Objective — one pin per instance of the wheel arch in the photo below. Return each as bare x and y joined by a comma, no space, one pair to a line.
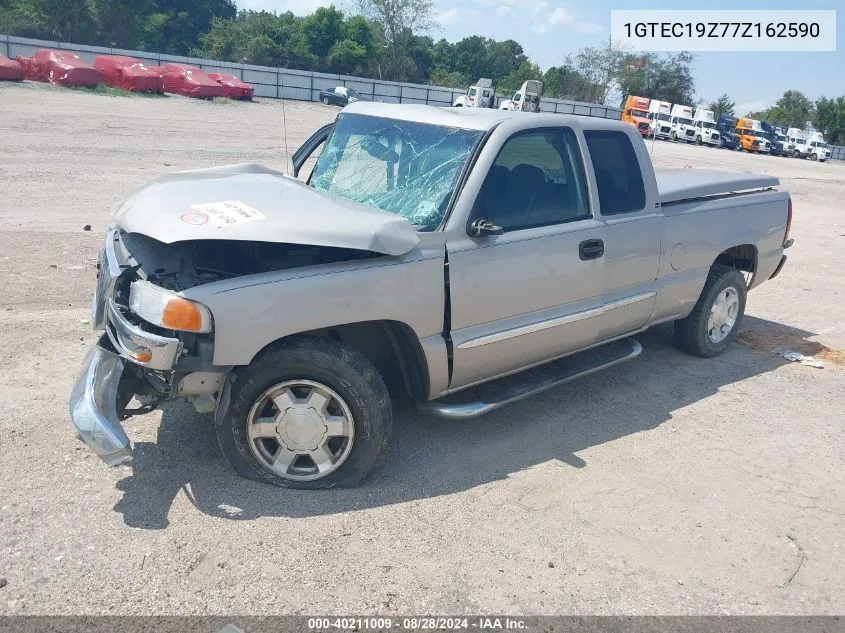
742,257
391,346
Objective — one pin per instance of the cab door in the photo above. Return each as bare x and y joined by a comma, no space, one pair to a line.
305,156
633,231
525,273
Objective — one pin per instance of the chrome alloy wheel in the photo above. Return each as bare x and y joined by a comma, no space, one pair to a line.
723,314
301,430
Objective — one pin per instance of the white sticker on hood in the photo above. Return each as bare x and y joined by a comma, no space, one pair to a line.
222,214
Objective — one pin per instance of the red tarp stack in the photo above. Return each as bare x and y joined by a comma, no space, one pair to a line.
62,68
189,81
129,74
28,67
10,69
233,88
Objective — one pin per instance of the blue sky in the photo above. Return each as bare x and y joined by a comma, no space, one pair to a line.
549,29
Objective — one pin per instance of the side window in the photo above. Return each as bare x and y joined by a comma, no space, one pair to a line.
536,180
618,175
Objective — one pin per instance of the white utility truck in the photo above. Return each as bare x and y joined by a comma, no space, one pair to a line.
800,149
705,127
481,95
683,128
661,119
526,99
817,148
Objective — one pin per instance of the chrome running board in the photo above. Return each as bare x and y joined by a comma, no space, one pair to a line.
487,397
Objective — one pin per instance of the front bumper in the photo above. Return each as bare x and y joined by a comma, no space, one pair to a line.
93,407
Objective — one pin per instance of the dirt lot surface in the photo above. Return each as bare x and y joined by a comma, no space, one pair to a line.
670,484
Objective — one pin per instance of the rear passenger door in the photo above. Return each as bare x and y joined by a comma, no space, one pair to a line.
533,292
633,232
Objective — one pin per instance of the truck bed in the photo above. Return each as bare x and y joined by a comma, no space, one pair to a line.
678,185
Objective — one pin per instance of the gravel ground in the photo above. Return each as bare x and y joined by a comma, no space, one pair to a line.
667,485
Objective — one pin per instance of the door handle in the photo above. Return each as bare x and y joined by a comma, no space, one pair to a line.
590,249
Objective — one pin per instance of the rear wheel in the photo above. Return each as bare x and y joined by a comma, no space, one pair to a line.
714,321
311,413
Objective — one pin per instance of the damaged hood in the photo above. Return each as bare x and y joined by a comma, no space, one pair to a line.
252,203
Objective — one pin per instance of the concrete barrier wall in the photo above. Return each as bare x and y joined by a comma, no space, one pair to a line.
301,85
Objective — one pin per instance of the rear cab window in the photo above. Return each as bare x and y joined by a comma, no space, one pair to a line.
619,178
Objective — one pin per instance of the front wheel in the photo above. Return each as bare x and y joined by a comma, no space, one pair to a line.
674,136
326,100
714,321
698,140
311,413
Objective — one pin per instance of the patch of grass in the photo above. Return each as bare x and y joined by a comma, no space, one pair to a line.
111,91
221,101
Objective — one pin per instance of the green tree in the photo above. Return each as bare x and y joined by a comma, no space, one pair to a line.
514,79
793,109
830,119
448,79
398,20
65,20
566,82
668,78
601,67
347,57
322,30
722,106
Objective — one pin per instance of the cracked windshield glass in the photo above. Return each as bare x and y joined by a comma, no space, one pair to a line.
405,168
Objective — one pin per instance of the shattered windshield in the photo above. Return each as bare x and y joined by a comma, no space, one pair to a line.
402,167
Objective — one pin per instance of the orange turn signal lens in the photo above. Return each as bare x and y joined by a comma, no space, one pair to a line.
181,314
144,356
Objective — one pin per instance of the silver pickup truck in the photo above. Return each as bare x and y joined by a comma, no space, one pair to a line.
461,258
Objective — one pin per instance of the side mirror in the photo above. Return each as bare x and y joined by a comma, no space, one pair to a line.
483,227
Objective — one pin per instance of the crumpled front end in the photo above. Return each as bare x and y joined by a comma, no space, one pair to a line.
93,406
133,358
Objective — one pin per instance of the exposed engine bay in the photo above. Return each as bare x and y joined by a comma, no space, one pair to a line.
183,265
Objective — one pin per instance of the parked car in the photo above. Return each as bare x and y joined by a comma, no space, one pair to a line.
341,95
417,262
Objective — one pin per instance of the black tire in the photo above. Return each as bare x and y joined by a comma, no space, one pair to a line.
698,140
323,360
326,100
674,136
691,333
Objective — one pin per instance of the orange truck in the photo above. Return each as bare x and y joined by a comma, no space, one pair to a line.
748,136
635,112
